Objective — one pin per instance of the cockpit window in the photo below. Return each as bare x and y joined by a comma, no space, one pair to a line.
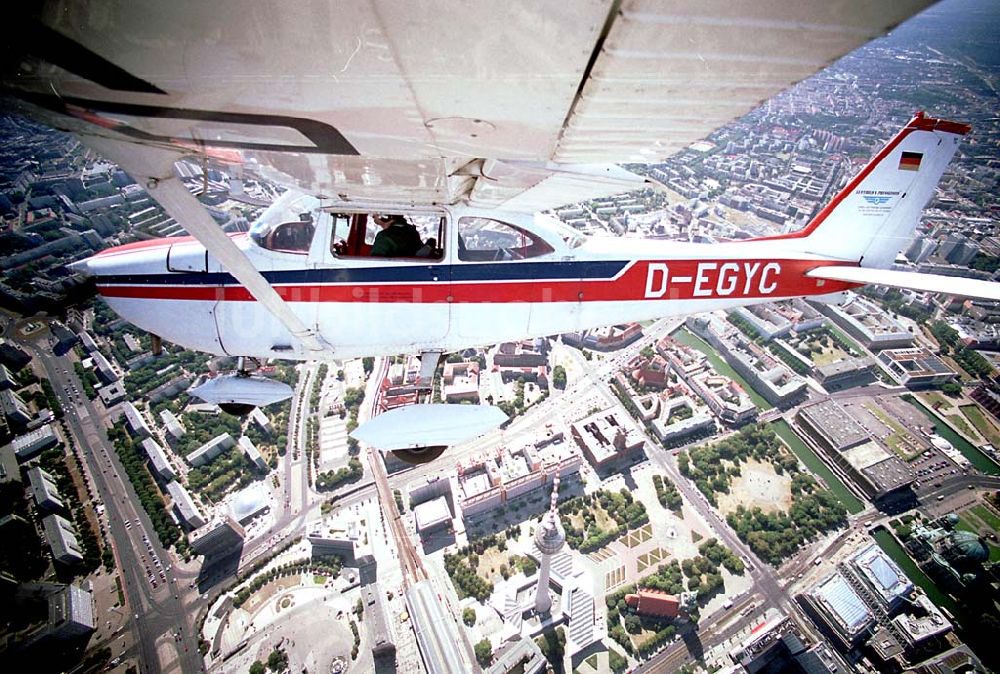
288,237
288,224
482,239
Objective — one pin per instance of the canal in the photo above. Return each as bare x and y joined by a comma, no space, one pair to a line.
816,465
975,457
688,338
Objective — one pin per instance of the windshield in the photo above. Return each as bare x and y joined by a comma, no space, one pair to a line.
291,207
570,236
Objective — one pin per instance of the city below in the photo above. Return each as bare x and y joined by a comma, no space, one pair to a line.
798,486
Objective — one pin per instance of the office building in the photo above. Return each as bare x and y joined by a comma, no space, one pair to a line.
218,538
873,468
252,453
211,449
28,446
136,423
44,490
187,510
61,537
158,459
836,605
916,368
608,438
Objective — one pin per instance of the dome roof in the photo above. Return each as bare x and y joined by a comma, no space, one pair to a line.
952,518
248,502
966,546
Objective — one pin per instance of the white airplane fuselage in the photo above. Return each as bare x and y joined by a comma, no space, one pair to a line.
381,306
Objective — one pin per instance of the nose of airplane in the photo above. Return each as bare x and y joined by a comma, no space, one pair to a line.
81,267
130,260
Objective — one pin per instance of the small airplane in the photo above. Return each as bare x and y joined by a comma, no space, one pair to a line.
386,134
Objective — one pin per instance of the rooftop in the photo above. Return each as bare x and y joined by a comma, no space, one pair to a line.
836,426
843,604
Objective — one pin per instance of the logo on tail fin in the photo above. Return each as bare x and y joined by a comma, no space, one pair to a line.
876,201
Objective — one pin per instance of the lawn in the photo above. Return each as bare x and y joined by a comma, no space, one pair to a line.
966,523
651,558
641,535
936,400
987,516
828,355
958,422
614,578
985,427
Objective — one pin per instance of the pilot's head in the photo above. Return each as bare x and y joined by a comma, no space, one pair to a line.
389,220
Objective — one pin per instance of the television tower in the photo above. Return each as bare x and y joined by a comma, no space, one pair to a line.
550,539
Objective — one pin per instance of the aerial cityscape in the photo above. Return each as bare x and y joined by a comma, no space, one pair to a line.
798,486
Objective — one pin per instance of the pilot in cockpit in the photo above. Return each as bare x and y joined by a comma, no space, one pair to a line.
398,238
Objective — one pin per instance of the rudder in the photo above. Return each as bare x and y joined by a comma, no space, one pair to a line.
875,215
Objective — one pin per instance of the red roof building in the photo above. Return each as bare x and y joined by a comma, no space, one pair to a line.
654,603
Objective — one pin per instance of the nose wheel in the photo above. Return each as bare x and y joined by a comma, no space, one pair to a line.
419,455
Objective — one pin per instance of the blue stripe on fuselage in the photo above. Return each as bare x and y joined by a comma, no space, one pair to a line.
417,273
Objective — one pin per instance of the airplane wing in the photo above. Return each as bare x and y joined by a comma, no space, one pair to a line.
935,283
506,104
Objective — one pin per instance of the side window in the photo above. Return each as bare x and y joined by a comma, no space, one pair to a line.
483,239
410,235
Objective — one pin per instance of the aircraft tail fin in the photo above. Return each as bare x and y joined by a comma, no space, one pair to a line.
874,216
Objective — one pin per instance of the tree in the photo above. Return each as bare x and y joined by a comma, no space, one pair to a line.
484,653
277,660
616,662
951,388
257,667
469,616
559,376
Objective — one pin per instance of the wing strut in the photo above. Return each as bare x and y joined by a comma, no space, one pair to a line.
154,168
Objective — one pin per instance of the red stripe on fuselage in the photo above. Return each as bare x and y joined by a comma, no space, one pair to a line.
642,280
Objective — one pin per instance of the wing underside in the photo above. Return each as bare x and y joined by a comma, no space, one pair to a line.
429,101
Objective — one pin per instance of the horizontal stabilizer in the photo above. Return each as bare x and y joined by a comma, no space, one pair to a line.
934,283
428,426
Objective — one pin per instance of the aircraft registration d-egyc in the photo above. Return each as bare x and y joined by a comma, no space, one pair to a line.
464,122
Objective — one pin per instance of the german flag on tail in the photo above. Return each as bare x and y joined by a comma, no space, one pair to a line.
910,161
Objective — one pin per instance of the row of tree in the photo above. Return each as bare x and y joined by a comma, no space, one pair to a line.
145,488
